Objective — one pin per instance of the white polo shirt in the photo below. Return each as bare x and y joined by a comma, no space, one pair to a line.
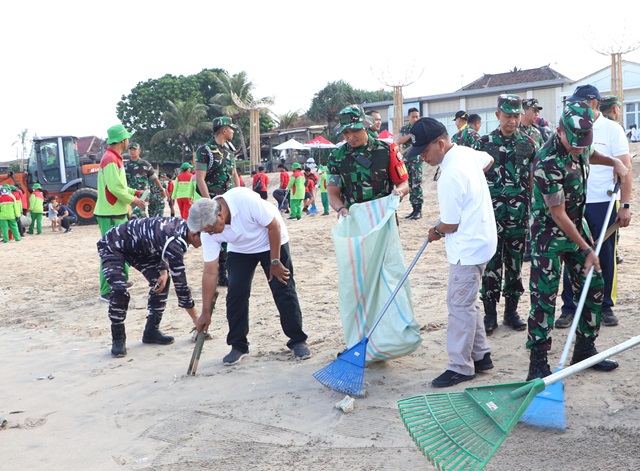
609,139
247,232
463,195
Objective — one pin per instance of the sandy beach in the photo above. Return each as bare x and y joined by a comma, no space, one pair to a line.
69,405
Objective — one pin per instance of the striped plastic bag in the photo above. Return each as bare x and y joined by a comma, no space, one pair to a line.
370,265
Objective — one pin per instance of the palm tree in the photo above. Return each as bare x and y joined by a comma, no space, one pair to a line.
183,119
223,101
288,120
22,139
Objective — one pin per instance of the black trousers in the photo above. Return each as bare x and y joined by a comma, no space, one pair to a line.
68,220
240,270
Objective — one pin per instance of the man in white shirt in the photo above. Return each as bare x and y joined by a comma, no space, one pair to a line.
609,139
255,233
467,223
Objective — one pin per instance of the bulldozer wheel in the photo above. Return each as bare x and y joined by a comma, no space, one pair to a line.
83,203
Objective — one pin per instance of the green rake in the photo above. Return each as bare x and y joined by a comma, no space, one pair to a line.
461,431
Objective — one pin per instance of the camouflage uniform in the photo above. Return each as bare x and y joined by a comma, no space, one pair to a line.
534,133
558,172
363,173
139,177
414,169
510,190
467,137
156,201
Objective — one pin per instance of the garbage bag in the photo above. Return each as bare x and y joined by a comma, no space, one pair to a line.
370,266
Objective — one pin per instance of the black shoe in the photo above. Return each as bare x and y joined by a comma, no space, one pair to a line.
223,281
490,317
119,339
417,212
412,213
511,316
538,364
233,357
450,378
105,297
564,321
619,259
301,351
609,318
485,364
128,284
341,352
585,348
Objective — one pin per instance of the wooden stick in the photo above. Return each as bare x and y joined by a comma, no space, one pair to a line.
610,230
197,350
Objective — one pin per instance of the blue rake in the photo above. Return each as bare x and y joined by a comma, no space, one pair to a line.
346,373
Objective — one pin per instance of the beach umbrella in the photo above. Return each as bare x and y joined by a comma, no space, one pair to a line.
386,136
320,142
291,144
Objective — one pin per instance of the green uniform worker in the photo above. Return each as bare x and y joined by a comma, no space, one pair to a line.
9,212
509,182
324,197
560,233
36,208
296,189
114,197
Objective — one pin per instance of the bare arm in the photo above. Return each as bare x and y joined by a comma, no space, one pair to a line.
401,140
209,282
236,178
202,185
280,272
335,200
624,214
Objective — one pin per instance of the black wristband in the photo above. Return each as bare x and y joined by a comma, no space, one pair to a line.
586,251
340,209
437,231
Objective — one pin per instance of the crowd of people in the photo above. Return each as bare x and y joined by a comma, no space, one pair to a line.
499,193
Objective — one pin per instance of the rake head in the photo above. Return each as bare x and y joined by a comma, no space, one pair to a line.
461,431
346,373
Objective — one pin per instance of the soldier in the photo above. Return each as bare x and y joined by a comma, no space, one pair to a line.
363,169
461,119
559,233
216,173
510,188
156,200
469,134
414,166
376,119
156,248
531,111
609,139
140,175
611,107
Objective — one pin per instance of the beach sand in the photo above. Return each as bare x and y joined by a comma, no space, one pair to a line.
69,405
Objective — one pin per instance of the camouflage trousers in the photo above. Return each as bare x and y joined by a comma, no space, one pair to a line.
156,205
414,169
113,270
508,258
137,213
546,273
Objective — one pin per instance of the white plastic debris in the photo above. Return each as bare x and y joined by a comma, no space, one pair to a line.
347,404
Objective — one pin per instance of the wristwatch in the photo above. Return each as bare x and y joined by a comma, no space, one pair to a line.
438,232
275,261
625,206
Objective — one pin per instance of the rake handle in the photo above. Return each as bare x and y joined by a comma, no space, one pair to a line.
587,282
583,365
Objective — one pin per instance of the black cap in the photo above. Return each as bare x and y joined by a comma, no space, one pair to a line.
585,92
424,132
462,114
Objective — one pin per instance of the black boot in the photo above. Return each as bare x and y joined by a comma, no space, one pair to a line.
538,364
152,332
410,215
511,316
417,211
585,348
119,341
490,316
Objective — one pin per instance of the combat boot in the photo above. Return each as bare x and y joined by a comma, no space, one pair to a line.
417,211
119,341
538,364
412,213
490,316
152,333
585,348
511,316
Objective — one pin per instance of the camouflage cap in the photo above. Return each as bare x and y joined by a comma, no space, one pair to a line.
531,103
353,117
609,100
221,121
134,145
577,119
510,104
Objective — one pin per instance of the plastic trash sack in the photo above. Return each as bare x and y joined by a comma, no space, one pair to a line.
370,265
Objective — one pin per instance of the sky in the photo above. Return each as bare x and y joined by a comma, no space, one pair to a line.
66,64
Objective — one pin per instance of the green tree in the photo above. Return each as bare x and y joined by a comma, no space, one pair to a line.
23,140
142,111
288,120
183,119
